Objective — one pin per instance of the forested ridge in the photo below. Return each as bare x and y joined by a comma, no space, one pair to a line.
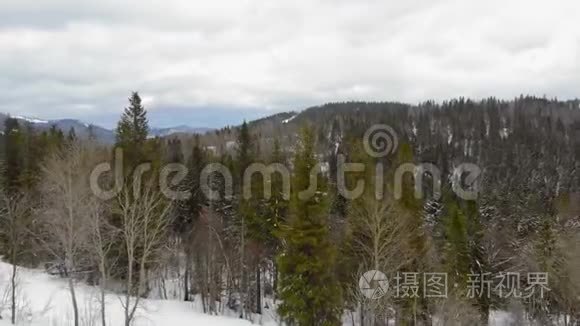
303,258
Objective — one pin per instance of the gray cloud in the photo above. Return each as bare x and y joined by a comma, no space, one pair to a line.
66,58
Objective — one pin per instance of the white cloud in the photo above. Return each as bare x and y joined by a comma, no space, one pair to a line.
65,58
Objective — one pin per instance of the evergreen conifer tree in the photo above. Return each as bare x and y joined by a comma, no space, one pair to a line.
132,130
308,287
12,170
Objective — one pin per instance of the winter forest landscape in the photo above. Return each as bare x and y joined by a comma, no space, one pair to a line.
296,163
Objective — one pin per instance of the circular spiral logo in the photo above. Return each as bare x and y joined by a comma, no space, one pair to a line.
374,284
380,141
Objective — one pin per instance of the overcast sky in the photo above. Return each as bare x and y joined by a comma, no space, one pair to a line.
210,63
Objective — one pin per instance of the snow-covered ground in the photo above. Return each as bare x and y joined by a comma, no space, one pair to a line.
44,300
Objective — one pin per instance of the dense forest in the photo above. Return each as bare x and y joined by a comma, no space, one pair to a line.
303,258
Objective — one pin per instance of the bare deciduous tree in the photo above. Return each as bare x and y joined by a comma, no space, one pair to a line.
102,239
65,218
379,238
144,226
14,228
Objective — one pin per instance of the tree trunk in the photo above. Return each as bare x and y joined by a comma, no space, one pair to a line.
13,281
242,278
258,291
103,309
187,274
275,281
129,285
485,316
74,300
213,280
362,314
103,286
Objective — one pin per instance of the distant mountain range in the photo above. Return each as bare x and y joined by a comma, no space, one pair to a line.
102,134
183,129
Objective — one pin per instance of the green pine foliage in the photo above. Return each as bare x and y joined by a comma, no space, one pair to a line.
308,286
417,243
456,250
308,254
190,209
13,161
132,130
276,208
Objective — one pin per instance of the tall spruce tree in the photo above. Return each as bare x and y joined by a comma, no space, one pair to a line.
456,250
245,154
55,138
276,210
479,261
132,130
13,162
308,286
414,309
72,136
32,154
131,137
190,209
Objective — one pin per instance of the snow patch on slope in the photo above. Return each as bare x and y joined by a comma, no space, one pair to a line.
44,300
289,119
31,120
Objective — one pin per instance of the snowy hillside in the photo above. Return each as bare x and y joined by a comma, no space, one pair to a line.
44,301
